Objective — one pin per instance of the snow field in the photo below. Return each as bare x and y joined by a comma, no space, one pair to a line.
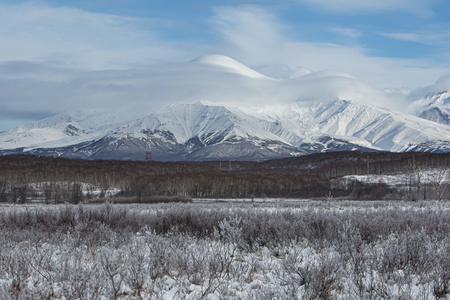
427,176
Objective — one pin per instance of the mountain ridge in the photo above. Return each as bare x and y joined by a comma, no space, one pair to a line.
202,132
262,118
434,107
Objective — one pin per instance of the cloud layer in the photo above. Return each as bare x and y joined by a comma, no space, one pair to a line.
58,58
263,40
76,38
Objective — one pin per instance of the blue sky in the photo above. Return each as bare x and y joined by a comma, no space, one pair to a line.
46,44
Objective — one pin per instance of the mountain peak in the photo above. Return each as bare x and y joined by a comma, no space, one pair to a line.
227,62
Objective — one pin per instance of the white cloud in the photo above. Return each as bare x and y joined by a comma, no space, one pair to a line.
73,38
283,71
77,38
255,37
162,84
442,84
239,24
349,32
437,35
417,7
64,58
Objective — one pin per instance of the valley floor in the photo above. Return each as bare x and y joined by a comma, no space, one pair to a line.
278,249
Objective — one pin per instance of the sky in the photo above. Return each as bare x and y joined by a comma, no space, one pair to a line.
94,54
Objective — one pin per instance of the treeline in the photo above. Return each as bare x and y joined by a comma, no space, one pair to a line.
337,164
59,179
19,169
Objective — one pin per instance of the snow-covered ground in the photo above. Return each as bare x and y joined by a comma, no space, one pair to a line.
426,176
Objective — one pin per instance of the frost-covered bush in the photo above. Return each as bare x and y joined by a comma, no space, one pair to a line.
303,250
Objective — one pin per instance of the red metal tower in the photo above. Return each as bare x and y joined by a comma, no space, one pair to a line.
148,148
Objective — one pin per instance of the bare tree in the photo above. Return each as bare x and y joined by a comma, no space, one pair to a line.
440,180
414,171
76,193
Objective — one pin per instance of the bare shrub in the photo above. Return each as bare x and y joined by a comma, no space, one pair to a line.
15,265
441,274
440,181
316,250
112,266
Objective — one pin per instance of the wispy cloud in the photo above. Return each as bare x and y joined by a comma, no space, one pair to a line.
247,25
417,7
256,37
348,32
437,35
77,38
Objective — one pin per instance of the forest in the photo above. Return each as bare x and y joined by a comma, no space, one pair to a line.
58,180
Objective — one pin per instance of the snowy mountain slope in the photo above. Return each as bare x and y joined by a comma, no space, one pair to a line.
434,107
199,131
208,132
63,129
359,124
209,124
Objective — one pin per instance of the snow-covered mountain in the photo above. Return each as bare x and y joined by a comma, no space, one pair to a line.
434,107
203,131
296,122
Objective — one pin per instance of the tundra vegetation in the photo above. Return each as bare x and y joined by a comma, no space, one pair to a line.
283,250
